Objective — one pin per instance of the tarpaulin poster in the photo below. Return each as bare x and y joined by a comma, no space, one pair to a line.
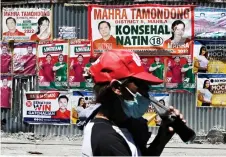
179,73
210,22
6,58
151,115
67,32
80,62
81,100
6,91
47,107
147,29
211,90
26,23
156,66
52,64
24,58
210,56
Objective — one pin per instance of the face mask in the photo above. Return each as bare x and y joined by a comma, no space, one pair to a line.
137,107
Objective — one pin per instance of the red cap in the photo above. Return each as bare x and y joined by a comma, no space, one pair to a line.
121,64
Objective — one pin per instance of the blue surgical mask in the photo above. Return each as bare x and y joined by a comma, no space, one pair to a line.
137,107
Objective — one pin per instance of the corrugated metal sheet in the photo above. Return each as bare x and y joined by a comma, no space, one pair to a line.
200,119
14,116
57,130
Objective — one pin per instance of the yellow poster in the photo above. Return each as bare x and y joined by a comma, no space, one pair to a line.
211,90
151,116
209,56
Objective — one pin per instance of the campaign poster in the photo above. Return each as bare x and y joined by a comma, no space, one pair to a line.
211,90
80,100
210,56
24,58
151,115
79,64
6,59
53,64
155,66
147,29
26,24
6,91
179,73
210,22
66,32
47,107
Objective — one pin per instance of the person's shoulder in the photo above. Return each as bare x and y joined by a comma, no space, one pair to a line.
167,41
34,37
5,33
21,33
103,126
187,40
98,40
112,38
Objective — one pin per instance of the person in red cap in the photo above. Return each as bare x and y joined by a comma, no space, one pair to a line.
121,89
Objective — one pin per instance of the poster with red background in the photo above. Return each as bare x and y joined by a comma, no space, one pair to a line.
6,58
52,63
6,91
24,58
79,63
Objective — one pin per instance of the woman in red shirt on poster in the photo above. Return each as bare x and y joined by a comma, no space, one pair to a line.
177,42
43,30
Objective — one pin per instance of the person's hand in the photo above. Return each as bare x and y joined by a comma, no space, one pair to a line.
178,114
169,64
61,66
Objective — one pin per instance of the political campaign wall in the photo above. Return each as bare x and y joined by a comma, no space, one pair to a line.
47,107
26,24
24,58
211,90
79,63
53,65
151,115
6,58
210,22
159,29
210,56
80,100
6,91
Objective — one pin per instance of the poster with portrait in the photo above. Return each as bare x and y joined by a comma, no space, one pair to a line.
79,63
211,90
151,115
6,58
210,22
47,107
26,24
24,58
81,100
66,32
147,29
6,91
53,65
156,66
210,56
179,74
